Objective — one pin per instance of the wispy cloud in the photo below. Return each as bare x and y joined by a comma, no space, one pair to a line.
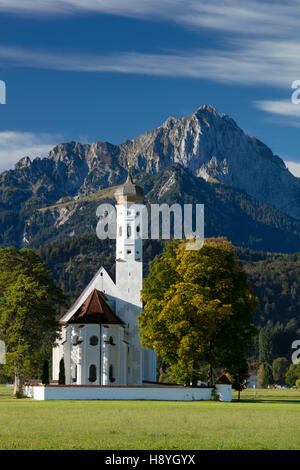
282,107
16,145
267,17
260,42
250,62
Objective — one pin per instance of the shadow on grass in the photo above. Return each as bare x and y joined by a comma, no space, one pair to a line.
265,400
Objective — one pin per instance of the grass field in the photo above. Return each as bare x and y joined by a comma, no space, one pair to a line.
269,420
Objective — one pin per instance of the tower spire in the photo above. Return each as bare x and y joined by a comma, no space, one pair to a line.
129,177
129,191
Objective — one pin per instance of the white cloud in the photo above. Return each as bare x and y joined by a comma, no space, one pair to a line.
293,167
15,145
264,44
282,107
252,62
263,49
249,16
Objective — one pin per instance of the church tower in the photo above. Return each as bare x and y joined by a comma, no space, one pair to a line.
129,277
129,243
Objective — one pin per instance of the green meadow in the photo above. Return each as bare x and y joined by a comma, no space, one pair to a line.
269,419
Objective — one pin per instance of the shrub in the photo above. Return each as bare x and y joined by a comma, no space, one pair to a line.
293,374
298,383
214,395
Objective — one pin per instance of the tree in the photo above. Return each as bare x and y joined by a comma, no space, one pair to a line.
265,346
199,308
298,383
293,374
28,310
45,375
264,375
62,374
279,367
239,378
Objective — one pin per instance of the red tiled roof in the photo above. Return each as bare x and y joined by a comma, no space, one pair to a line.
95,310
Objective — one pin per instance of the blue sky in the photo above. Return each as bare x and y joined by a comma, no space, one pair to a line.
108,70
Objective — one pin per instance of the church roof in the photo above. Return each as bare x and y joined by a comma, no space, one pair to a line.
129,190
223,380
95,309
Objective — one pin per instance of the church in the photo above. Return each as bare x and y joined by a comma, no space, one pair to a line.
99,334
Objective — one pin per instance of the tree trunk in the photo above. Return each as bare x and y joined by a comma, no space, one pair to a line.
18,388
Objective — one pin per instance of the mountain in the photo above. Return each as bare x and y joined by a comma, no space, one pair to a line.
214,147
249,194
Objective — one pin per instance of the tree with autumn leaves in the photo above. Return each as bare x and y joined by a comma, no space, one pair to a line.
28,310
198,310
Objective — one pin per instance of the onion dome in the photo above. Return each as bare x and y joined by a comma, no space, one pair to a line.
129,191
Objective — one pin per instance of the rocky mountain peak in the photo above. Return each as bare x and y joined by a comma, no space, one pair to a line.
24,162
211,146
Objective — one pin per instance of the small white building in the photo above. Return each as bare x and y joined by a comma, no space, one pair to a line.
252,379
100,339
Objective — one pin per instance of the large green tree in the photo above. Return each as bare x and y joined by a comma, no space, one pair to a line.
199,308
264,375
28,311
280,367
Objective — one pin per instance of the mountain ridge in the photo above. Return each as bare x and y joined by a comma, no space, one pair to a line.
209,146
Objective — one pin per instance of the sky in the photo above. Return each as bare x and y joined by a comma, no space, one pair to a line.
109,70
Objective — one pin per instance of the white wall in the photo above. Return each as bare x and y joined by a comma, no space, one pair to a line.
39,392
224,391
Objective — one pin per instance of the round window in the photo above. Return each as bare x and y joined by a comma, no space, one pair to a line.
94,340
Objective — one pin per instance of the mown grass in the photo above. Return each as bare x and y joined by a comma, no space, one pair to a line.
269,420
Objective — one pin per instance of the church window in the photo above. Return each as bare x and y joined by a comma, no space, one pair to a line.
137,213
75,340
138,229
74,373
120,231
94,340
128,231
129,252
111,341
92,373
111,374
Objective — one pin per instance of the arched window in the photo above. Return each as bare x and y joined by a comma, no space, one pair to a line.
92,373
128,231
74,372
111,374
75,340
94,340
138,229
111,341
120,231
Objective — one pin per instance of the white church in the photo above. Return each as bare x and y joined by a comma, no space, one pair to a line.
99,334
100,342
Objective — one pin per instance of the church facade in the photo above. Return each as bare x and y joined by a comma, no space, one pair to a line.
99,334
